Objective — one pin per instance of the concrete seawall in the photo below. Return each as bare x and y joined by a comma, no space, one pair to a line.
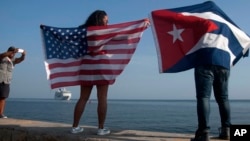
30,130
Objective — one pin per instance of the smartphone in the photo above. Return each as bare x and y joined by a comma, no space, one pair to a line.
20,50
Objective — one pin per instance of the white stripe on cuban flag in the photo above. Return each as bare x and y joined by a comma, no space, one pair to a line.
219,41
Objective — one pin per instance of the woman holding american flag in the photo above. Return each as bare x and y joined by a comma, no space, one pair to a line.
97,18
93,54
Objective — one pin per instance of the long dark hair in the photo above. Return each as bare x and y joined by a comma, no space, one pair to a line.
95,19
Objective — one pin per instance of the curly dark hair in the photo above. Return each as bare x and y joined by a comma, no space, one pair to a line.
95,19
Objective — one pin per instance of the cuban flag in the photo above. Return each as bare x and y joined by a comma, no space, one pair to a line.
195,35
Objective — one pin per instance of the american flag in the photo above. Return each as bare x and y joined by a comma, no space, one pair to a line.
195,35
89,56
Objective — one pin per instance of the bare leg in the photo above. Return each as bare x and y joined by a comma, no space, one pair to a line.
80,105
102,91
2,105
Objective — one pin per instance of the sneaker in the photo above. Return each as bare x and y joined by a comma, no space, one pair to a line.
201,135
224,133
3,116
103,131
76,130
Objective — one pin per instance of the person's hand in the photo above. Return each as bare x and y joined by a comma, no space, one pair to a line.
24,53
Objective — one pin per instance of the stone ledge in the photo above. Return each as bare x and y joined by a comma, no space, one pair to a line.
30,130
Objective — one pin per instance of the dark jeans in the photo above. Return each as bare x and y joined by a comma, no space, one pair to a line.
206,78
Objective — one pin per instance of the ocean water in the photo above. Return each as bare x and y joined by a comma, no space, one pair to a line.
174,116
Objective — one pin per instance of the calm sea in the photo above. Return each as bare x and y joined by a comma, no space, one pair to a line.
176,116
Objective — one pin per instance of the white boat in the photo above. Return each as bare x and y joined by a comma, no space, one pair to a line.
62,94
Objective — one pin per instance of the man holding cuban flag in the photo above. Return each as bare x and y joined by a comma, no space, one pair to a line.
202,37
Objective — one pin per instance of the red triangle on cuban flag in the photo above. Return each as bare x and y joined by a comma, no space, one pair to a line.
176,34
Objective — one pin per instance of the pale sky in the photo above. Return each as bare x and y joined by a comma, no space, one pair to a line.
20,21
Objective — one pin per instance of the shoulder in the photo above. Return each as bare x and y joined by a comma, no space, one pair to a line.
3,55
4,59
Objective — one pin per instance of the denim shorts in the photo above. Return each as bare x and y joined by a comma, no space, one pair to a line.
4,90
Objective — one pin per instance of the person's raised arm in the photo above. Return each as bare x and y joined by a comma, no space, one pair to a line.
5,54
